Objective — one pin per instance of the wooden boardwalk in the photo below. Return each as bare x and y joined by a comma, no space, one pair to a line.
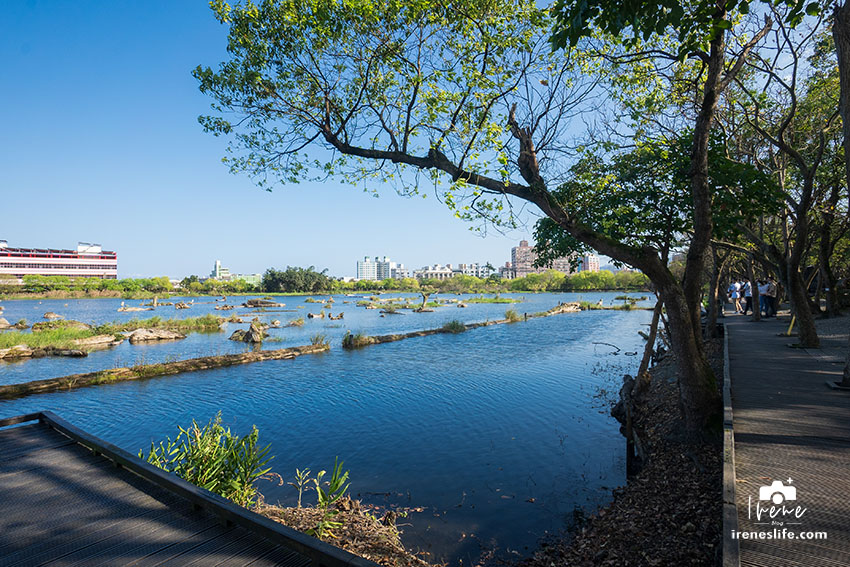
63,503
789,425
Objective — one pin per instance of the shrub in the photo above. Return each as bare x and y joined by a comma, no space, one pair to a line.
512,316
212,458
454,326
358,340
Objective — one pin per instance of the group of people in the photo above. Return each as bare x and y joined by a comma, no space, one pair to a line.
741,295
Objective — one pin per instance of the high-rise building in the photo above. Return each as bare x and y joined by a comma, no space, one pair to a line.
523,258
379,269
384,268
87,261
590,263
367,269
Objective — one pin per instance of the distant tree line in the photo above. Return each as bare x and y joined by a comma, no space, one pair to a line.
550,280
44,284
309,280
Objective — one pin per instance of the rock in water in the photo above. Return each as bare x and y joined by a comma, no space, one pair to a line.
4,324
254,334
146,335
262,303
17,351
52,315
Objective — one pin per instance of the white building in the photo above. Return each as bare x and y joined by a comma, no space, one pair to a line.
477,270
398,271
367,269
436,272
87,261
379,269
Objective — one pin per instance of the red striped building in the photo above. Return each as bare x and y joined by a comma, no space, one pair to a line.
87,261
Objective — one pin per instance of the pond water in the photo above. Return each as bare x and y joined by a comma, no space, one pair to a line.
499,434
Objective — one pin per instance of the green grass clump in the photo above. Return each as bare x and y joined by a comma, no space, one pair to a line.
52,338
454,326
491,300
296,322
357,340
204,324
512,316
319,339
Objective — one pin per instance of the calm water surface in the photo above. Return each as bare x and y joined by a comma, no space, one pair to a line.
499,433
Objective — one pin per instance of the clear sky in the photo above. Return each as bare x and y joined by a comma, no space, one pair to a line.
100,143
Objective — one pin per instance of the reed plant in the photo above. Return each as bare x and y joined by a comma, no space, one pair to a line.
212,458
512,316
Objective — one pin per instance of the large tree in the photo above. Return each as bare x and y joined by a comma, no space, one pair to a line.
467,92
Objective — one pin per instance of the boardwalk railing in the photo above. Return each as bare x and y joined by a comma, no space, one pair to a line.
321,554
731,547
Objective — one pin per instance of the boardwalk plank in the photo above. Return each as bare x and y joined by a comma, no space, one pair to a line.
63,505
789,425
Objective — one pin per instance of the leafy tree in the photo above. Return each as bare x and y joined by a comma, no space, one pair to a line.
465,92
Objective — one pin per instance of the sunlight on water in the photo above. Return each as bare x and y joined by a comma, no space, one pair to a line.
499,433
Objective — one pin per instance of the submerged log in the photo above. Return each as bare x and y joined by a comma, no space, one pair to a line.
153,370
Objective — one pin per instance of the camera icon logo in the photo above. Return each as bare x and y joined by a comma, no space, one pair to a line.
778,492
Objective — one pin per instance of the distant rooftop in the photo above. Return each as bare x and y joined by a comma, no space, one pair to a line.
83,248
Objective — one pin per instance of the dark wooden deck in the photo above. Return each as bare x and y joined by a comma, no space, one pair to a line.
788,424
67,498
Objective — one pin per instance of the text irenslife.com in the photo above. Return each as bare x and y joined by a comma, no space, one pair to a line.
777,533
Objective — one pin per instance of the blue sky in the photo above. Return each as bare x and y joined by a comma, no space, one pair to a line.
100,143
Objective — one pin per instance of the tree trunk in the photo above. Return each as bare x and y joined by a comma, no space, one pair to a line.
700,188
841,35
650,341
799,296
699,397
714,303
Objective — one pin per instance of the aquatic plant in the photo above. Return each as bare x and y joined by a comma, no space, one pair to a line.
454,326
357,340
329,492
512,316
301,483
319,339
214,459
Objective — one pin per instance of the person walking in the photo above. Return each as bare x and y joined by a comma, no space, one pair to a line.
763,298
771,298
735,295
747,292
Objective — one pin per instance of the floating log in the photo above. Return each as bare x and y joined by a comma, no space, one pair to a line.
357,341
152,370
